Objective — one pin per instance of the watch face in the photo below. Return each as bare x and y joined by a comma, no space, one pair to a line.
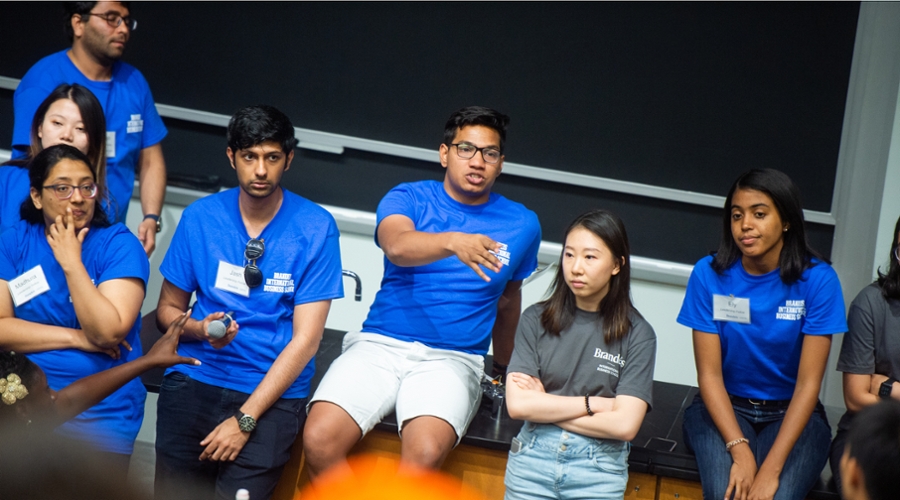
247,423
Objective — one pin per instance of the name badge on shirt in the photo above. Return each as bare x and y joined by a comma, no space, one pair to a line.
230,278
28,285
731,308
110,143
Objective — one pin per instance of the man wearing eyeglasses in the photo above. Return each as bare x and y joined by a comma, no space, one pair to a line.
99,32
455,257
270,259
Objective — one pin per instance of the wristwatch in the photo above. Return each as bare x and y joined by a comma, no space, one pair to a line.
884,392
155,218
245,422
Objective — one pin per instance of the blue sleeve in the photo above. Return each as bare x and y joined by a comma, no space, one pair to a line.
322,278
530,263
696,310
178,265
125,258
825,305
154,128
399,201
8,245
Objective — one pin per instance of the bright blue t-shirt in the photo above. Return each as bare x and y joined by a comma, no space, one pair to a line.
131,118
444,304
760,360
12,194
107,253
301,264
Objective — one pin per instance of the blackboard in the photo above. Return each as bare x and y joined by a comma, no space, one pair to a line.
681,95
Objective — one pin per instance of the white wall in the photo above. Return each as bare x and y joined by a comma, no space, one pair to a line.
890,201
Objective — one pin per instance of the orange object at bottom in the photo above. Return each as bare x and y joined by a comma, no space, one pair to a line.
377,477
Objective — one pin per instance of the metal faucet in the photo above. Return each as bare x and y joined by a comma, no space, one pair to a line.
358,295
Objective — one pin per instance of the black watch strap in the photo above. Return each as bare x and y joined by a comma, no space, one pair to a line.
884,392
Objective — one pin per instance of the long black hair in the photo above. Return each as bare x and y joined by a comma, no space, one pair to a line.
559,308
40,168
890,282
796,254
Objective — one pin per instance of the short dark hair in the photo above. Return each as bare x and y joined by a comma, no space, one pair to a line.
476,115
796,254
615,308
40,168
258,124
890,282
80,8
874,441
92,118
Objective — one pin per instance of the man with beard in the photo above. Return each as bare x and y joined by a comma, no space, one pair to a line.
99,32
455,257
266,263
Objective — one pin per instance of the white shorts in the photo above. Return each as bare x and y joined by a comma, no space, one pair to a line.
376,374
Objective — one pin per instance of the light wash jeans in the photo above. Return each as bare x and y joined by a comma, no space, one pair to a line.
760,425
558,464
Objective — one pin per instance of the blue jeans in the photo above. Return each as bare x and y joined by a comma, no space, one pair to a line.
555,463
760,425
187,411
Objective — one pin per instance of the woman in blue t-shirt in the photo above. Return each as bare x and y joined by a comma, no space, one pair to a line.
71,115
71,288
762,309
581,373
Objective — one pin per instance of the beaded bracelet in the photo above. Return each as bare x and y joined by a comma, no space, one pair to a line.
587,406
731,444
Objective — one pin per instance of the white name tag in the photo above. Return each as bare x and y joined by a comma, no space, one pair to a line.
28,285
110,143
731,308
231,279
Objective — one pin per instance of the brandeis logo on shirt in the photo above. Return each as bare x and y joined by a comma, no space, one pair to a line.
611,363
279,283
792,310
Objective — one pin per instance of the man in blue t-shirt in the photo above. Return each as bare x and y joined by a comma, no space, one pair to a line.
455,258
134,130
264,264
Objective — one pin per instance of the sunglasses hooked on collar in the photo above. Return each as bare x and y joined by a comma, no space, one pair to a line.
253,276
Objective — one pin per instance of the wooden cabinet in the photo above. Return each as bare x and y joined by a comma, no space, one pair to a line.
640,486
679,489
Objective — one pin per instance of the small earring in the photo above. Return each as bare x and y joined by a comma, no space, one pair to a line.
784,230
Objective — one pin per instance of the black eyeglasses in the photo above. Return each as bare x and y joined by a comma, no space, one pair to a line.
65,191
466,151
253,277
114,20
